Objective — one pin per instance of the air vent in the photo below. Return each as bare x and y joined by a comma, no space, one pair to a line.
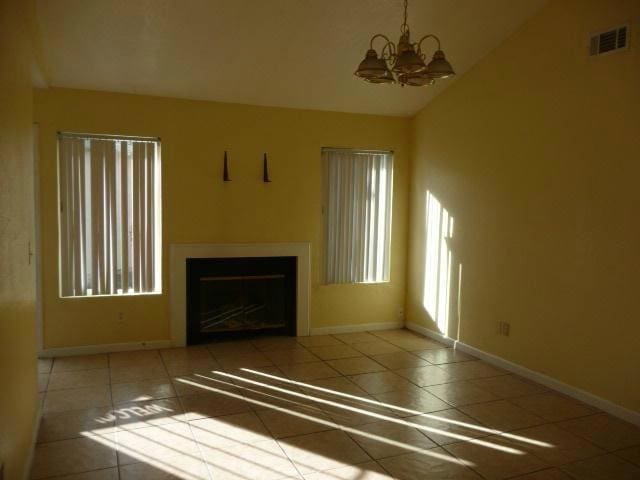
613,39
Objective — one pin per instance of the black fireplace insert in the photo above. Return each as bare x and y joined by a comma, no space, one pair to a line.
234,297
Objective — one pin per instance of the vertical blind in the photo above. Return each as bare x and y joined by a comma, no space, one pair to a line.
358,192
109,192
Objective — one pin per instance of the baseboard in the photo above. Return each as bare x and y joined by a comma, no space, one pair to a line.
427,332
600,403
359,327
34,440
106,348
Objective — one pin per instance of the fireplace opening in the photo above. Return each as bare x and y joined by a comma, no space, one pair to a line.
233,297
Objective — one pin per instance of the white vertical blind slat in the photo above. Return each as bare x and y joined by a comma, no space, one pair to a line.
124,214
149,215
65,154
112,237
137,147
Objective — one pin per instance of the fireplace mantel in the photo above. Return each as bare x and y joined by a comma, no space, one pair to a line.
179,252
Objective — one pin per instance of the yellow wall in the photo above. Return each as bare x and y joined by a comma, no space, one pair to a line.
535,153
199,207
18,392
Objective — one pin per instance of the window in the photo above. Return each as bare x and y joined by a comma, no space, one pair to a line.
357,206
110,218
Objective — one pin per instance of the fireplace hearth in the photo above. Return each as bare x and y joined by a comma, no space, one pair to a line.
247,296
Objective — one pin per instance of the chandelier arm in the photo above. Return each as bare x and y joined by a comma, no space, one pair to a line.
379,35
419,44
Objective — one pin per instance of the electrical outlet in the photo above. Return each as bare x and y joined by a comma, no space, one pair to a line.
400,314
504,328
120,317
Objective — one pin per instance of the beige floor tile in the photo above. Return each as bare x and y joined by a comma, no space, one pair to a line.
244,360
77,399
331,388
381,382
507,386
631,454
43,382
604,430
439,463
78,379
176,467
290,355
214,404
553,407
155,444
73,456
438,356
356,337
415,344
356,366
460,393
470,370
398,360
350,412
502,415
396,333
267,344
323,451
362,471
184,354
145,414
412,402
217,432
224,349
192,365
44,365
385,439
76,423
379,347
80,362
319,341
546,474
102,474
332,352
309,371
148,370
606,467
295,421
264,461
448,426
493,463
201,383
142,391
425,376
265,398
137,357
553,445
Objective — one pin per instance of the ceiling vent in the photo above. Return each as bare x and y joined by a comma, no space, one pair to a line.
609,41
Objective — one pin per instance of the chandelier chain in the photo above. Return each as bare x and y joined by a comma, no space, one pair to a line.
404,28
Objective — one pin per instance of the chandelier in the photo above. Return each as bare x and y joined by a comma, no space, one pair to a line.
404,63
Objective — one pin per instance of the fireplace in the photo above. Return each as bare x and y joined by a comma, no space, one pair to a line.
231,297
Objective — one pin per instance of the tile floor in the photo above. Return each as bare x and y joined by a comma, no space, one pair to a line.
357,406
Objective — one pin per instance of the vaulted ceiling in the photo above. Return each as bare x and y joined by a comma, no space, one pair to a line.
288,53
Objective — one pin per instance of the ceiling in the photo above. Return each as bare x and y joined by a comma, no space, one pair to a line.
288,53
